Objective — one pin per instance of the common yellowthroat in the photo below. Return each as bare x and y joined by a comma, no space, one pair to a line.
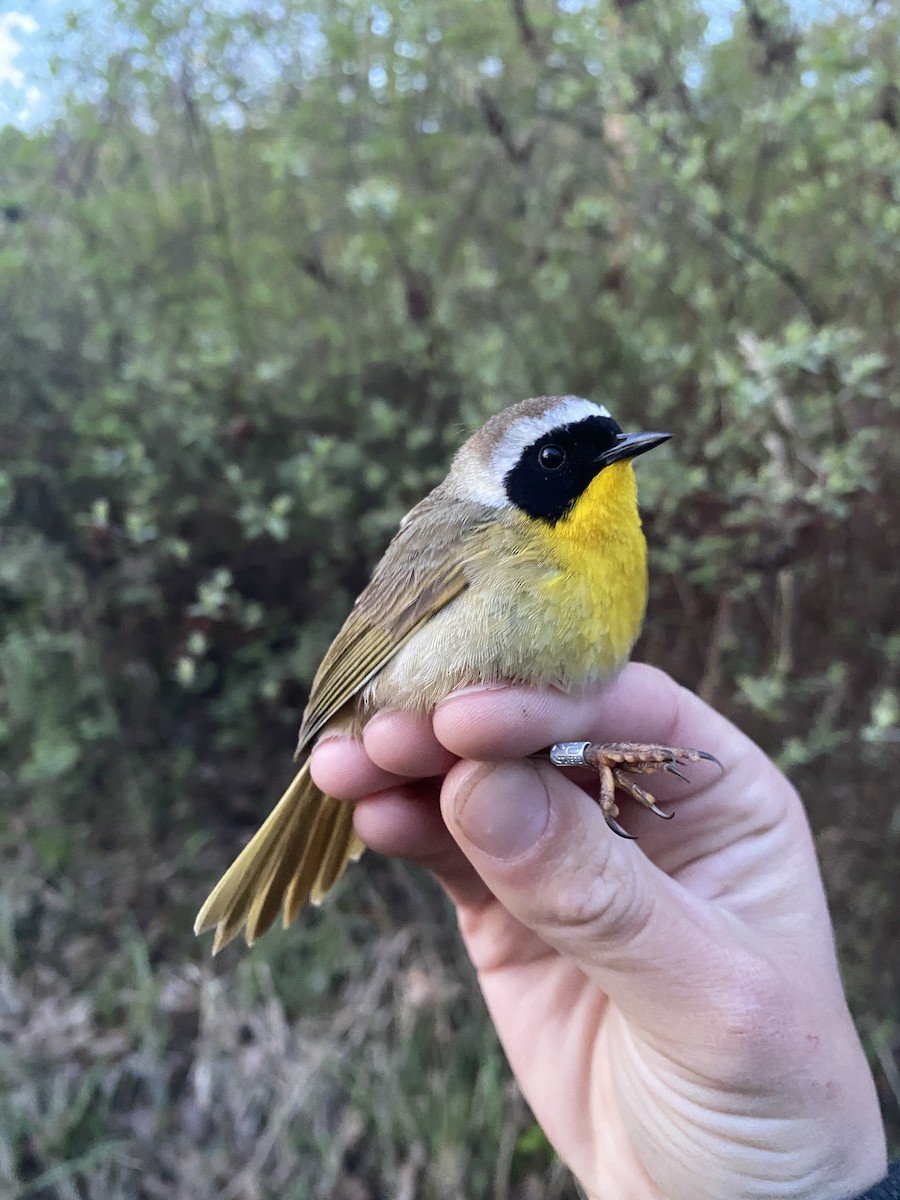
526,564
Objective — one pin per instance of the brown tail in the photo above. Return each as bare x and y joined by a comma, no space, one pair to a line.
298,854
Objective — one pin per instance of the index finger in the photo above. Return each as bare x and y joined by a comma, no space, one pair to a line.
642,704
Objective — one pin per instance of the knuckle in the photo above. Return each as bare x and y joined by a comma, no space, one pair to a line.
604,906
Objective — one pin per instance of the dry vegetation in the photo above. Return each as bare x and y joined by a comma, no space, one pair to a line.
351,1054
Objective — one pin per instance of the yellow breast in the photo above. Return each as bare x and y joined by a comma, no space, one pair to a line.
558,604
600,590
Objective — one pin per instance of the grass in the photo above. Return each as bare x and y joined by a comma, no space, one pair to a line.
349,1060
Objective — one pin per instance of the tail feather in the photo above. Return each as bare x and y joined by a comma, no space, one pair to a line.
305,885
298,859
298,854
301,885
335,857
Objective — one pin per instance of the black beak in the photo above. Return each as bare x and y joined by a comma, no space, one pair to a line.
630,445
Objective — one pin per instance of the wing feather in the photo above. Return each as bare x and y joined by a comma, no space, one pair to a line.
423,569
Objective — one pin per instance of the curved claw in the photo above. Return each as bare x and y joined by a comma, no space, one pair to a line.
671,769
709,758
617,829
661,812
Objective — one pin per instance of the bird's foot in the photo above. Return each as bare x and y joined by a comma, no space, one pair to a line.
617,762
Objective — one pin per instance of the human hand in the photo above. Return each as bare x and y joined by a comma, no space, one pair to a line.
672,1009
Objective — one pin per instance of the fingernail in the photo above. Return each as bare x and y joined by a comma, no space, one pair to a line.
381,715
474,689
503,810
332,739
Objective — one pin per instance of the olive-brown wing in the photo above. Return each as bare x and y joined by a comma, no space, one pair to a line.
423,569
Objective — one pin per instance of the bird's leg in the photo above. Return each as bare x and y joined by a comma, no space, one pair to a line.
617,762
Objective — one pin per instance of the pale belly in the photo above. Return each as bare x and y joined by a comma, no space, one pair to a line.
519,622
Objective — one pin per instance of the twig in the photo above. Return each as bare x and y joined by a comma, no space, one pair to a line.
527,32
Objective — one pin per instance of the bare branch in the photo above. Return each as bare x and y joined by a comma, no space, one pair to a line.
527,32
499,127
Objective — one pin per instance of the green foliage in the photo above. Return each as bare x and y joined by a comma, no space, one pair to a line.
268,267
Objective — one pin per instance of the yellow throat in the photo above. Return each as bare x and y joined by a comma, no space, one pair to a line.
600,592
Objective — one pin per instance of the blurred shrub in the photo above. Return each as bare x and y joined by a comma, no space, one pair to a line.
249,312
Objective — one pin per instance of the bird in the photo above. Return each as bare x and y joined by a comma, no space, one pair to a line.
526,564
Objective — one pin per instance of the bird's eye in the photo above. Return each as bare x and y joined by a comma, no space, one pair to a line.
552,458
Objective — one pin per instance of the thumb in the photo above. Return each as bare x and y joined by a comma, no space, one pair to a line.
542,847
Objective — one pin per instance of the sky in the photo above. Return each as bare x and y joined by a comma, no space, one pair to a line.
19,92
27,90
24,75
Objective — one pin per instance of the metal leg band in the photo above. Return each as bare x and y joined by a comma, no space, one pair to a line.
570,754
